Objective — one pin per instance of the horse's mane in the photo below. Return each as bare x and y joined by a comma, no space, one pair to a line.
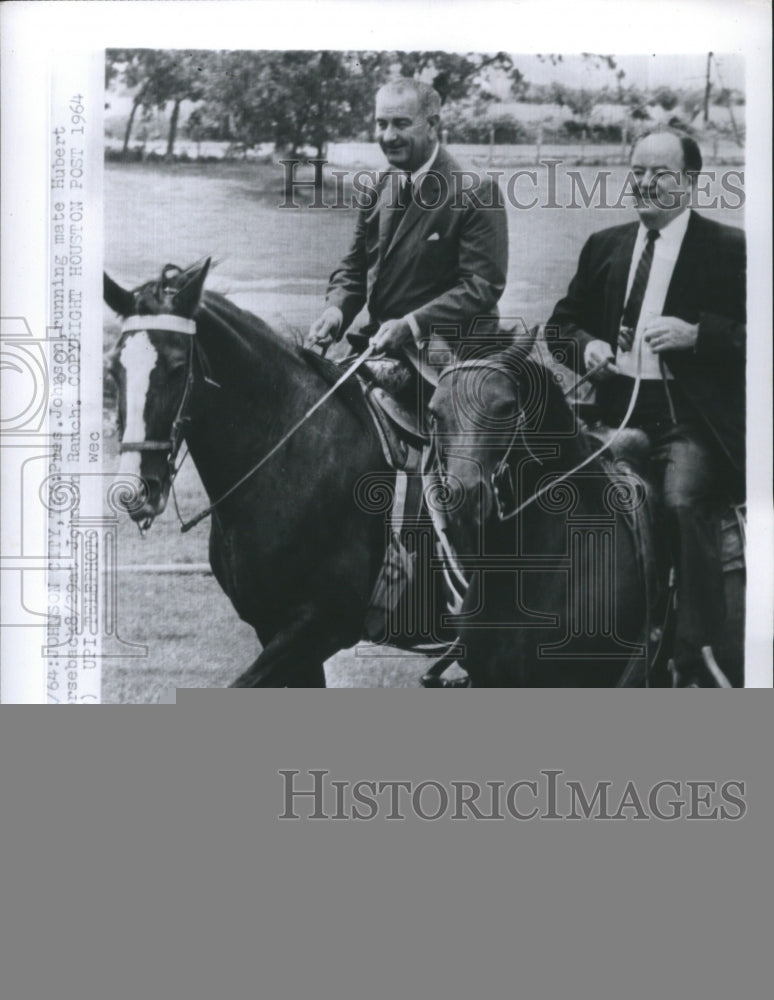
556,401
330,372
250,334
514,356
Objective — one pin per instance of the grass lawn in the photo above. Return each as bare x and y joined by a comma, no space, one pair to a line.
274,262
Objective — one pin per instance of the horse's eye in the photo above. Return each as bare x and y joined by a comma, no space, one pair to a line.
176,364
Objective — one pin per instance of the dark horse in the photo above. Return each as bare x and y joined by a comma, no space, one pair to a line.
294,548
567,588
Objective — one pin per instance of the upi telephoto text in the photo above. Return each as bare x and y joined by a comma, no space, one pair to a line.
549,795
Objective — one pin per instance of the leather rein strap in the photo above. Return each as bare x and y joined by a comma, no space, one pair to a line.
282,441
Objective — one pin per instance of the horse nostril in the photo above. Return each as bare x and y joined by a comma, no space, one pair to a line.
153,488
137,495
127,493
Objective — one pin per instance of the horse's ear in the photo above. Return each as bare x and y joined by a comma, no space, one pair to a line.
119,300
523,339
187,298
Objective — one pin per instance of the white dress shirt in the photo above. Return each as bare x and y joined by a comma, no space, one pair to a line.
665,253
417,176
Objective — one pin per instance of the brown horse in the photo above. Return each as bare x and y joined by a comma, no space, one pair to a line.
296,547
567,584
558,595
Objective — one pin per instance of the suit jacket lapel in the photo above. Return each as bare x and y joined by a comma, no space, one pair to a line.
618,279
429,195
681,291
415,212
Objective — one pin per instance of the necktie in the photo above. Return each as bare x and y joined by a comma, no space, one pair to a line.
631,313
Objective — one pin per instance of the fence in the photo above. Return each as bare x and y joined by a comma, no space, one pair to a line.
367,155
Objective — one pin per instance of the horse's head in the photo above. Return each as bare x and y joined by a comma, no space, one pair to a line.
486,416
473,413
151,365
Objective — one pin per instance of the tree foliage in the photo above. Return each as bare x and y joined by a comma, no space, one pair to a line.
292,98
300,99
158,77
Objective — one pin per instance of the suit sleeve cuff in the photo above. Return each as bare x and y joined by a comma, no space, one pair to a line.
415,331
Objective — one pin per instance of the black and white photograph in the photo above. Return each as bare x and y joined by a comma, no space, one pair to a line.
417,367
464,227
421,346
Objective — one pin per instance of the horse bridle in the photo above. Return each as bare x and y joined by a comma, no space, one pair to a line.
168,322
501,478
164,322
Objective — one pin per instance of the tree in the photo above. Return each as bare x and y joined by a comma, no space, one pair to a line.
454,75
293,99
159,76
665,97
128,65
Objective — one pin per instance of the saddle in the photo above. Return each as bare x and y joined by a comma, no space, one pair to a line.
391,392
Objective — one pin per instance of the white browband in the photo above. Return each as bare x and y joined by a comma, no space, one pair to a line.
165,321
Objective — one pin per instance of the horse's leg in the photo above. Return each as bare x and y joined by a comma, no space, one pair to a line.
293,658
284,671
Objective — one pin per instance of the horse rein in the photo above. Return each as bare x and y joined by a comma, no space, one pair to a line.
187,525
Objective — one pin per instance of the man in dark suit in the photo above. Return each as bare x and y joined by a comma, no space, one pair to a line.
665,298
429,259
430,251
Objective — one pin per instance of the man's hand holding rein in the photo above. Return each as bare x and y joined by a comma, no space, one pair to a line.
325,329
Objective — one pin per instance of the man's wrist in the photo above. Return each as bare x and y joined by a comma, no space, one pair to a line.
592,345
336,313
